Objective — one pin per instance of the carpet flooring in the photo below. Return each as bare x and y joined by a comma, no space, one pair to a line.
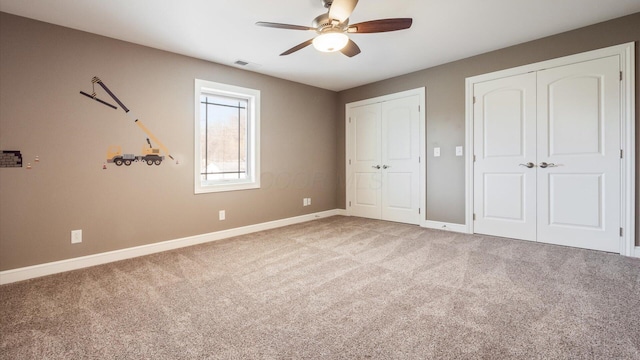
334,288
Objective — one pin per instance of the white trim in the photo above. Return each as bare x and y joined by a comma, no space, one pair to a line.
627,60
421,92
468,158
341,212
637,254
628,136
253,152
423,157
30,272
438,225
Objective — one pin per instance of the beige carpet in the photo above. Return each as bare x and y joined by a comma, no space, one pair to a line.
335,288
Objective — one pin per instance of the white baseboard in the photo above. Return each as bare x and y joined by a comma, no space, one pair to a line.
461,228
637,254
30,272
341,212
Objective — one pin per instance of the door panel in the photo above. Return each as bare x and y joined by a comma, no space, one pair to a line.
367,143
400,159
579,132
504,123
495,186
365,137
398,132
574,104
398,191
584,195
504,138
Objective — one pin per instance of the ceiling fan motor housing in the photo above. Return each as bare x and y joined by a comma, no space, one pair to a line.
323,23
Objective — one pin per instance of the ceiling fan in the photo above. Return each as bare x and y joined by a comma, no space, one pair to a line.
333,27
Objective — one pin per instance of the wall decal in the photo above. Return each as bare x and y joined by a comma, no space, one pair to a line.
10,159
150,155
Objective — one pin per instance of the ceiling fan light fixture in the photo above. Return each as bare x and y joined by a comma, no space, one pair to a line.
330,41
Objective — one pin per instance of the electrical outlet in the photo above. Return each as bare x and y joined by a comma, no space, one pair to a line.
76,236
222,215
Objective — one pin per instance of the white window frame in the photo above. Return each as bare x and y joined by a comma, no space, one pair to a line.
252,96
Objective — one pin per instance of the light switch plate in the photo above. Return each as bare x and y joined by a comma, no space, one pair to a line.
436,151
459,151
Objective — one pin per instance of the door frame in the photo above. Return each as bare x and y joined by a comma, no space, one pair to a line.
422,138
626,53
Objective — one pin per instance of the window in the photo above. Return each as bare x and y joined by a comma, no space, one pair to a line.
227,137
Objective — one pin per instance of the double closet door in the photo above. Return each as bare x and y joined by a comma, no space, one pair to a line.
383,161
547,155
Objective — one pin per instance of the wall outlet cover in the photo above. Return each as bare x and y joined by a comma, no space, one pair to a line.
76,236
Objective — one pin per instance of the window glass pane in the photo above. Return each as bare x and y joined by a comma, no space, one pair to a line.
227,137
225,142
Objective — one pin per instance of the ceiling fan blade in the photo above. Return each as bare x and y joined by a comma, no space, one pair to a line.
384,25
341,9
351,49
283,26
297,47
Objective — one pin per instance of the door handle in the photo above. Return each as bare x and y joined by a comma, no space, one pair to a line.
529,165
386,166
376,166
545,165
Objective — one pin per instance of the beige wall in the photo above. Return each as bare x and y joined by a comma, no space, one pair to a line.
445,105
42,69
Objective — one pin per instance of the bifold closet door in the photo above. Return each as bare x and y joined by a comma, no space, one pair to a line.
385,161
547,155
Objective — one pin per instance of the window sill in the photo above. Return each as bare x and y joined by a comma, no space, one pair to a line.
206,189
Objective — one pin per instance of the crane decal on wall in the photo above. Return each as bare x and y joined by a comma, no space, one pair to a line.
150,155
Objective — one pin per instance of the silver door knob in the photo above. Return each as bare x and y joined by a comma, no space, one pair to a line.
386,166
376,166
529,165
545,165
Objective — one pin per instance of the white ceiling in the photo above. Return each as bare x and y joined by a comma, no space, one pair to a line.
224,31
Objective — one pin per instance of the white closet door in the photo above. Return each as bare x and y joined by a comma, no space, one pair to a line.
566,122
384,156
400,160
504,142
365,179
579,134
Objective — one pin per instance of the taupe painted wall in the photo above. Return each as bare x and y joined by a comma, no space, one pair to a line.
42,69
445,103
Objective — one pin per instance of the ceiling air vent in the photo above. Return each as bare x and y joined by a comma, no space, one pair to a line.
241,63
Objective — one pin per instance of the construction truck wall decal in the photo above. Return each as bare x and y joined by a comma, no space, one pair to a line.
149,154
